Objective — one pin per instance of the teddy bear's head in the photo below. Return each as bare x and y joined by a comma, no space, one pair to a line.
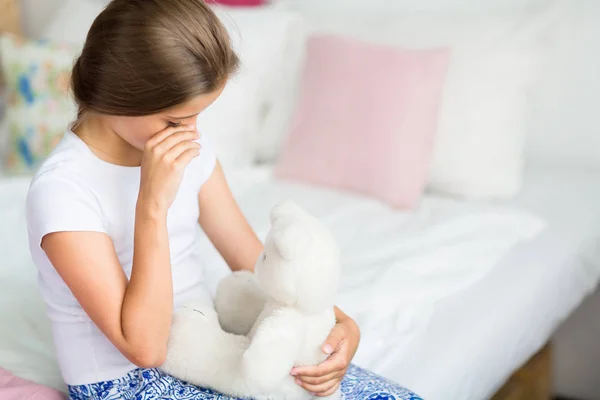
300,266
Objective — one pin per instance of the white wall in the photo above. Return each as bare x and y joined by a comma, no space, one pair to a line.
566,128
36,13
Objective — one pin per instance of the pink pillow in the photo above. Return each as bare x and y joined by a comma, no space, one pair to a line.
367,119
13,388
240,3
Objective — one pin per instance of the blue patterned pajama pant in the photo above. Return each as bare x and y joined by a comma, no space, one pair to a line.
152,384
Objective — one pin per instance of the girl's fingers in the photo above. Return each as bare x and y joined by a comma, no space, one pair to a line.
336,337
333,364
162,135
329,392
311,380
178,137
321,388
184,159
173,154
314,372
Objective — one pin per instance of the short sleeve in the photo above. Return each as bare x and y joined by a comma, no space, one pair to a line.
205,163
59,204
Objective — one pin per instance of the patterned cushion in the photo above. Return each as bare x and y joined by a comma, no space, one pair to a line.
39,106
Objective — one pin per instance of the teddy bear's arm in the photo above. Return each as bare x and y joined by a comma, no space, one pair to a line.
273,351
238,302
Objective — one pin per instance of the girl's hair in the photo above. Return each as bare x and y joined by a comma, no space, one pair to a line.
145,56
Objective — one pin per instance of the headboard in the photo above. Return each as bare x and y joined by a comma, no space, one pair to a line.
10,16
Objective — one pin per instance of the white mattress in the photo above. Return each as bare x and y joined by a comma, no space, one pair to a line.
453,333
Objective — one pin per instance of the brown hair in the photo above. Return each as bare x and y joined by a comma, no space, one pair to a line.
145,56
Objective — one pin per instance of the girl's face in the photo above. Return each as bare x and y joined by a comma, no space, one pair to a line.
138,130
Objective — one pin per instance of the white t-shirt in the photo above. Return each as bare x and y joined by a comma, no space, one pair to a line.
76,191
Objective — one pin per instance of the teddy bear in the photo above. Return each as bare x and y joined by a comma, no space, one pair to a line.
263,323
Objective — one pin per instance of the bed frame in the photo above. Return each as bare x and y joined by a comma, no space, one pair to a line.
533,381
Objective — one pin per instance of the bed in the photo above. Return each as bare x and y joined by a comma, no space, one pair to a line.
450,319
461,341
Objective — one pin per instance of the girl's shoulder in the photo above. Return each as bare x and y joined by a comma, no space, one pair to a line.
61,182
67,160
61,199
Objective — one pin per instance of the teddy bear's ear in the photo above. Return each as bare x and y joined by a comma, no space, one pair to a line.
285,208
291,241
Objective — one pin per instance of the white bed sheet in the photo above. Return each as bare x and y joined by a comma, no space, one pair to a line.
476,338
462,347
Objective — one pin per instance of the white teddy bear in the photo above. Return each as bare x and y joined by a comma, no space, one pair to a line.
272,320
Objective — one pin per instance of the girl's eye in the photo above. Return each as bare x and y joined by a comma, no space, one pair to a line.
173,124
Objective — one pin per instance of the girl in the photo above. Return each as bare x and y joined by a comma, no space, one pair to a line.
114,210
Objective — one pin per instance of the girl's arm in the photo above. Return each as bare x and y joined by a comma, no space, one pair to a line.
225,225
134,315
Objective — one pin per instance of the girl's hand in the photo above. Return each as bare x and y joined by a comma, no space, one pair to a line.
324,379
165,157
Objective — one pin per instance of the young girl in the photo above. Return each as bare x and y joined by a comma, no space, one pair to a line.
113,212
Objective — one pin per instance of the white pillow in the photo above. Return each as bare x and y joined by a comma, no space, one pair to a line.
232,121
72,21
484,116
236,118
271,44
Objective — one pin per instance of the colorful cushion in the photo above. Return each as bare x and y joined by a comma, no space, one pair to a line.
367,119
38,104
